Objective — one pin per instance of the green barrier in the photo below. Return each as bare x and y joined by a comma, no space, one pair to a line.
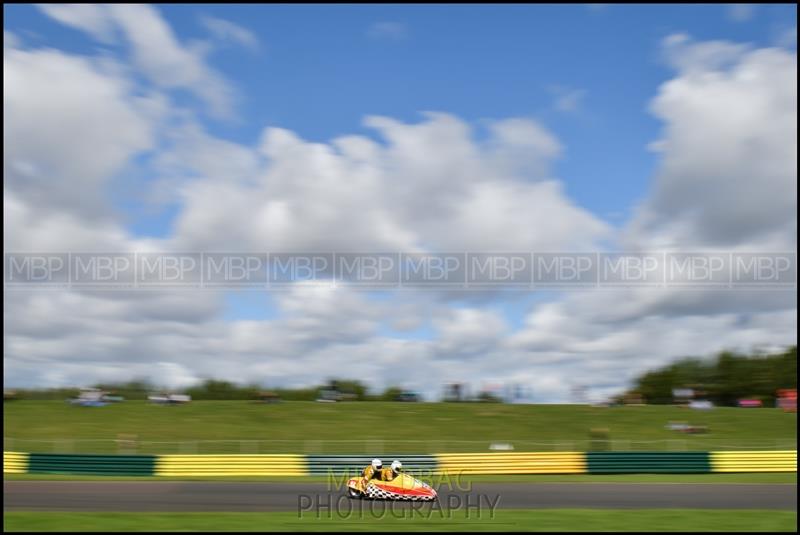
117,465
623,462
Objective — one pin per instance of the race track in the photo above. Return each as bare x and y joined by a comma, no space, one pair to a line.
260,496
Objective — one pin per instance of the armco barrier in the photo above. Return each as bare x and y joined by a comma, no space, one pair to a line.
15,462
664,462
512,463
754,461
118,465
453,463
353,464
231,465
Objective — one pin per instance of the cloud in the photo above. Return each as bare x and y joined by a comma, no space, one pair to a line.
227,31
394,31
48,97
685,55
458,189
728,173
93,19
157,52
429,185
467,333
726,180
10,40
566,99
160,56
741,12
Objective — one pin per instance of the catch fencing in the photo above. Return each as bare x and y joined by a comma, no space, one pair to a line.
129,445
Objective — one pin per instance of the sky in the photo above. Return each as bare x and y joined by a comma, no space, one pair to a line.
385,128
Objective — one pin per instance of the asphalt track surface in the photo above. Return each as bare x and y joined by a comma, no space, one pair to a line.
312,497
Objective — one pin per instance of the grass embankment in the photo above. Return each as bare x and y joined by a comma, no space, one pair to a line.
376,427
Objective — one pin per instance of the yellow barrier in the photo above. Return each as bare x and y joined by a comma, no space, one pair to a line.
513,463
15,462
754,461
231,465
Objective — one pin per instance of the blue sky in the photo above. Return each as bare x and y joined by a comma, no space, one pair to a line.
584,76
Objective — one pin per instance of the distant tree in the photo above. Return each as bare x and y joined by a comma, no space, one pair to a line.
488,397
391,393
212,389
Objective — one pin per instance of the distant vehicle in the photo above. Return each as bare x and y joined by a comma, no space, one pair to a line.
750,403
787,399
329,396
269,397
90,397
169,398
407,396
684,427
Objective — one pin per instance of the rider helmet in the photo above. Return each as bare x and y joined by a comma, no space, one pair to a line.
397,466
377,464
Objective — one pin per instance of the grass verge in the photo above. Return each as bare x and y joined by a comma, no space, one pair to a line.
501,520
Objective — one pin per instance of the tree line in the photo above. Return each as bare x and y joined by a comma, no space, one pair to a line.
724,379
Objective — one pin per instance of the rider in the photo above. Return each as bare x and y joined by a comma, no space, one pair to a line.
375,469
395,470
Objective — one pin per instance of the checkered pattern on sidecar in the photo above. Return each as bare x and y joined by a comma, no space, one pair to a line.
376,493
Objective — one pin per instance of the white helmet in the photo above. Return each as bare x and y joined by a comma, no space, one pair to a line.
397,466
377,464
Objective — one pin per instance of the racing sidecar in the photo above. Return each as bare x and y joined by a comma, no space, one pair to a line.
402,487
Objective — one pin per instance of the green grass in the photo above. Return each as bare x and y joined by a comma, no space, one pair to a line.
363,428
765,478
501,520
